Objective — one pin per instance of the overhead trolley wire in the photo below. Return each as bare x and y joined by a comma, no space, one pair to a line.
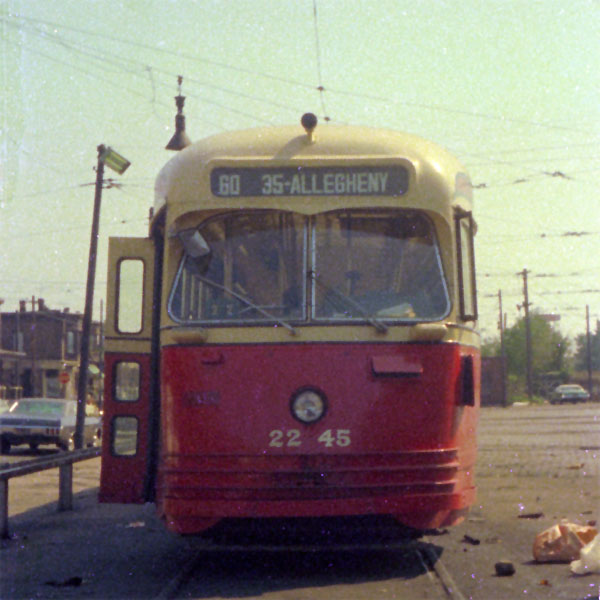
288,81
144,70
177,54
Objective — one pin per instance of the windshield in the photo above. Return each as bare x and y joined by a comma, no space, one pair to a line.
382,265
270,266
38,407
252,271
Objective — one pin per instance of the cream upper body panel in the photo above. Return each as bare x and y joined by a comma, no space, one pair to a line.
184,183
437,185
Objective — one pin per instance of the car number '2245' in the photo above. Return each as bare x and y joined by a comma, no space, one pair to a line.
291,438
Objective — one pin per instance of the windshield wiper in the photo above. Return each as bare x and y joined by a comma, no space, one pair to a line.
247,302
379,325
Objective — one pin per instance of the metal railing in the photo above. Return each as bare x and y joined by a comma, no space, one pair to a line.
63,461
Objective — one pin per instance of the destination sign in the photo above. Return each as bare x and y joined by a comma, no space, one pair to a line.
228,182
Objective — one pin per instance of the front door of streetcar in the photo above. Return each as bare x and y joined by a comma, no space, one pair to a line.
128,372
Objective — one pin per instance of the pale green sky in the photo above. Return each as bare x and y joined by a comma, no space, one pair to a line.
511,87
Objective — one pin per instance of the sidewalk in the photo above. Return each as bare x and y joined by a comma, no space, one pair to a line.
66,555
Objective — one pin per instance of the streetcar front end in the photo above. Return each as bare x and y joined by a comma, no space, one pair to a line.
315,353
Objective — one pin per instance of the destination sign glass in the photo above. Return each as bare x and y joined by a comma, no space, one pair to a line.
228,182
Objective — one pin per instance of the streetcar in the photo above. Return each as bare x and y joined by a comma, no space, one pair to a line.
297,335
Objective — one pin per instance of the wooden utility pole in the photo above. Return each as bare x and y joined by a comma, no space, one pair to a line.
84,355
502,349
588,336
528,350
33,342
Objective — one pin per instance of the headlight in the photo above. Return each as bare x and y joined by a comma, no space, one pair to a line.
308,405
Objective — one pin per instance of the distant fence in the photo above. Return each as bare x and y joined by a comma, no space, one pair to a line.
63,461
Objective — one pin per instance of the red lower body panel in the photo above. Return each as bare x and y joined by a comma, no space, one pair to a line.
394,440
420,490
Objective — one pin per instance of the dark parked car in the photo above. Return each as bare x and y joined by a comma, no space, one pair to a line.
568,392
37,421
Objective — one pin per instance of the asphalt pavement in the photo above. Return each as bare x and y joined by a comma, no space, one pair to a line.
536,466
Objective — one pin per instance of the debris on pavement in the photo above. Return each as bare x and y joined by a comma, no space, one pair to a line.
467,539
135,524
562,542
589,558
71,582
504,568
536,515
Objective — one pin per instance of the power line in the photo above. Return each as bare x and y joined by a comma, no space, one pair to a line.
438,107
145,69
166,51
287,81
318,53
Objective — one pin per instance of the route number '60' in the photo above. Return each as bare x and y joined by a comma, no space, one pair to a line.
292,438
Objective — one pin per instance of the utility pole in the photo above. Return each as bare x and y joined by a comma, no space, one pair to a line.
33,341
588,336
112,159
84,356
528,356
502,349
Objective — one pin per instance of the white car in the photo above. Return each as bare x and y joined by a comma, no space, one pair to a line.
37,421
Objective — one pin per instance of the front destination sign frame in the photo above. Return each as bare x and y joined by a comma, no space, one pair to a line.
359,180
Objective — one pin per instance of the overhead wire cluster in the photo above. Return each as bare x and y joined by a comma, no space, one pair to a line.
82,55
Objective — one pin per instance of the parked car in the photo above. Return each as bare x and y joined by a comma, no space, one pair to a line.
568,392
37,421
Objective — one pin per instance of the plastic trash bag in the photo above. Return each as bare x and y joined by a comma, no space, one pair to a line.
562,542
589,558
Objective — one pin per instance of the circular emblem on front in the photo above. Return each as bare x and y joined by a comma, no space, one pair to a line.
308,405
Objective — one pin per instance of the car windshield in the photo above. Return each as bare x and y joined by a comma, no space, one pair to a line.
340,266
38,407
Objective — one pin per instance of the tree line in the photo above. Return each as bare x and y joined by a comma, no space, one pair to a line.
554,359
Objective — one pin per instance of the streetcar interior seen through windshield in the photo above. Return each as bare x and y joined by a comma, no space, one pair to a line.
351,265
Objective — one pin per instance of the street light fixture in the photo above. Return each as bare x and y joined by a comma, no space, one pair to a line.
113,160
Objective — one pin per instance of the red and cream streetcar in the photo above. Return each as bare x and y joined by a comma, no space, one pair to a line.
296,337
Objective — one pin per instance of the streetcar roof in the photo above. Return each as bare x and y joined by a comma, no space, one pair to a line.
183,180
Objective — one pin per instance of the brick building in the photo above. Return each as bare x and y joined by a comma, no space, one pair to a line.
40,352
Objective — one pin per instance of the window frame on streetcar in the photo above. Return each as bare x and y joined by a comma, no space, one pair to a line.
120,296
115,381
303,229
467,305
386,213
309,315
113,436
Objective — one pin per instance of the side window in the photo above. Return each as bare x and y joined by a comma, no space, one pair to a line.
18,341
130,295
127,381
71,343
466,266
124,440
